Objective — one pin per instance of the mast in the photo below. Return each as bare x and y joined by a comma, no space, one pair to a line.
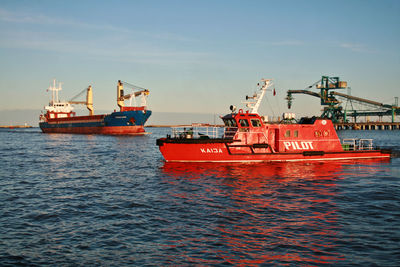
54,92
256,99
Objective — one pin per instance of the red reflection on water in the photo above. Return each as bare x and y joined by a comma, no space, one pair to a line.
259,213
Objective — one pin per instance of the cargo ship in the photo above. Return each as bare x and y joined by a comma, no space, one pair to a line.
59,117
249,137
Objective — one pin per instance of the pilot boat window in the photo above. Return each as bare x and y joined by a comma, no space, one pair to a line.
244,123
255,122
287,133
230,123
296,133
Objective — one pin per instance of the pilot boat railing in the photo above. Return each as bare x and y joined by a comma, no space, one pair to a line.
206,132
357,144
188,132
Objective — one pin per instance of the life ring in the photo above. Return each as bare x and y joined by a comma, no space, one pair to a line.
326,133
317,133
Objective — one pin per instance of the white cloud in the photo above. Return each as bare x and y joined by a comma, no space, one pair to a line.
26,18
355,47
131,46
282,43
287,43
125,49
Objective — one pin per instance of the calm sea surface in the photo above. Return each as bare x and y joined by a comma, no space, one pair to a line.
78,200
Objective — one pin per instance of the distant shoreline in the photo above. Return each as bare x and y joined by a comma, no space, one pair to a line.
149,126
15,126
180,125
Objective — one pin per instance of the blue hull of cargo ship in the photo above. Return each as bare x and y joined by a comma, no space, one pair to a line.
124,118
119,122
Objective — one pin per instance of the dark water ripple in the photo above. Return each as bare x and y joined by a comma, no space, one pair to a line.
102,200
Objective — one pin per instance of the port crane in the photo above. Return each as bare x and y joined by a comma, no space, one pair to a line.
331,100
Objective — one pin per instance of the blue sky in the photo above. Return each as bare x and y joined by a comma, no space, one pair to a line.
197,56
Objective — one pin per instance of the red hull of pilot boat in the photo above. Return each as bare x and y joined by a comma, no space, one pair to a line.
221,153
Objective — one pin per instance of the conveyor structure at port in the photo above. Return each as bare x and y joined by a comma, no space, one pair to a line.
331,101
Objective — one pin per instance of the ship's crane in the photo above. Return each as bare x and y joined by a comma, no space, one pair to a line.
332,106
88,102
137,91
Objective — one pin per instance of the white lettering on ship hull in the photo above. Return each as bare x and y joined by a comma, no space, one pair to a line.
211,150
295,145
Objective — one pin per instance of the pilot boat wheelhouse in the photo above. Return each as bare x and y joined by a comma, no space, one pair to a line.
246,137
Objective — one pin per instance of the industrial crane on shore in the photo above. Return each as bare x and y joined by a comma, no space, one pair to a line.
332,105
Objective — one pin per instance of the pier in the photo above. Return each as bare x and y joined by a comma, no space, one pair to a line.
367,125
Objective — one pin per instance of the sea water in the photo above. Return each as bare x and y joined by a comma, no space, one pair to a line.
77,200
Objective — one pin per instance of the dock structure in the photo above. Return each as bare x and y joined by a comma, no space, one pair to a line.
367,125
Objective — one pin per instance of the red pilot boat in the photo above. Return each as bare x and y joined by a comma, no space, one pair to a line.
247,137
